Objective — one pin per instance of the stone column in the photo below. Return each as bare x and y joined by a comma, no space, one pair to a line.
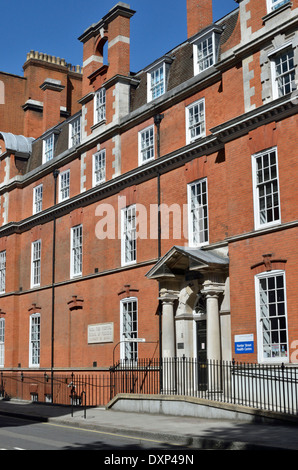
212,291
168,326
168,343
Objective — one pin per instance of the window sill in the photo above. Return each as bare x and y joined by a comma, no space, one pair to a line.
269,225
273,13
98,124
141,163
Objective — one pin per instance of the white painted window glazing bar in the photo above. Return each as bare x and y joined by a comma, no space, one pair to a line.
34,359
64,185
100,105
49,148
198,212
36,263
129,330
157,82
129,235
146,143
37,199
196,121
76,250
75,132
2,271
99,169
2,341
285,72
272,317
267,204
205,51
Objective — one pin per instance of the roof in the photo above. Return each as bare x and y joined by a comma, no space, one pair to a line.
17,144
182,259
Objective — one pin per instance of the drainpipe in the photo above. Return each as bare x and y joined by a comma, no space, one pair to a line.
157,120
55,175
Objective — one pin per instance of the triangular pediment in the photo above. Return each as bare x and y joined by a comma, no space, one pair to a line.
181,260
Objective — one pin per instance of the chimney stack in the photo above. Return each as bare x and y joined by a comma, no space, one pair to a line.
51,102
199,15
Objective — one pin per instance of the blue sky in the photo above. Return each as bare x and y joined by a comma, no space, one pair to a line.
53,27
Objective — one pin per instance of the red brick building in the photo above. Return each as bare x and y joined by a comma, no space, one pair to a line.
160,204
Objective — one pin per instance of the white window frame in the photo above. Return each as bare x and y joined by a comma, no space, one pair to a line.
75,129
129,329
195,109
198,216
99,167
37,198
100,105
203,57
48,148
286,86
275,324
156,82
146,143
128,235
34,340
76,251
64,185
35,263
261,200
2,271
2,342
273,5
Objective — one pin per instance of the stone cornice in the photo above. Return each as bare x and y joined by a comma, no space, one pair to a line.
136,176
273,111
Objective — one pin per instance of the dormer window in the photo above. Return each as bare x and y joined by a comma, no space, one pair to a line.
100,106
48,148
49,144
205,53
157,79
157,83
75,132
205,49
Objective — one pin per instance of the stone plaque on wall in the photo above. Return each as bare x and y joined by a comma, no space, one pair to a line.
101,333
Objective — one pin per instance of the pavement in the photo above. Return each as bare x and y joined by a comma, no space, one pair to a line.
186,432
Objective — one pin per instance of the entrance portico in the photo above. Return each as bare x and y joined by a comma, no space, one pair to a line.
188,277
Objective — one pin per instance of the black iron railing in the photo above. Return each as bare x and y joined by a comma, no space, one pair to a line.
265,387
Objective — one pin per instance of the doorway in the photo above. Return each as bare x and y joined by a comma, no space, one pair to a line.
201,342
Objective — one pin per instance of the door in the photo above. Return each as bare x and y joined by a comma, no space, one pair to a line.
202,354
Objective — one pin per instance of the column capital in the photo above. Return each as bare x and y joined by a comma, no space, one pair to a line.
213,289
167,296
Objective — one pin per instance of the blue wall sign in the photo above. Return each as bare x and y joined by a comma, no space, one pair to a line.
244,344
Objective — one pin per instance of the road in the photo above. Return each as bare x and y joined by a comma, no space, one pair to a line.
22,434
